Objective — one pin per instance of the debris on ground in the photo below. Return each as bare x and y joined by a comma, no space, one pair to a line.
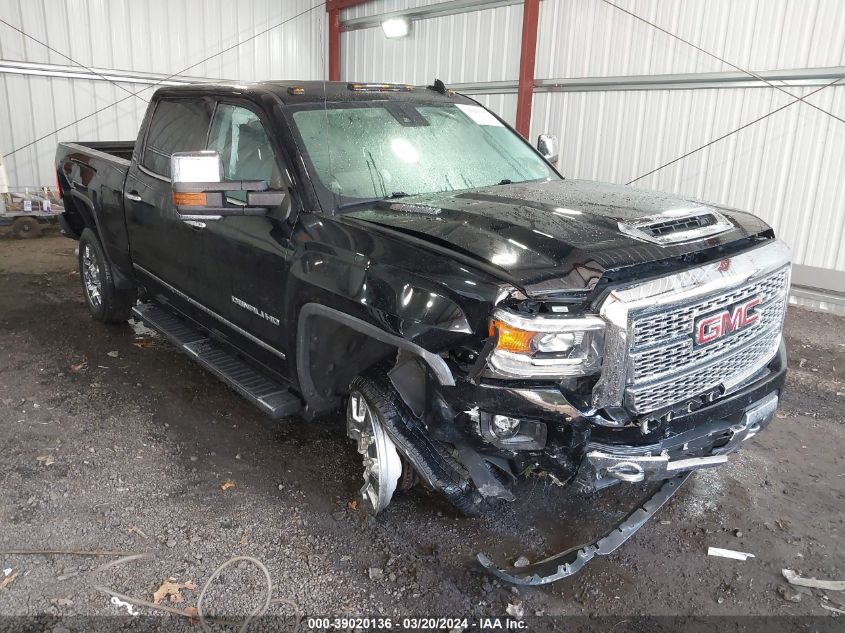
800,581
79,366
830,607
135,530
522,561
515,610
376,573
227,485
788,594
9,579
120,603
728,553
46,460
144,342
172,589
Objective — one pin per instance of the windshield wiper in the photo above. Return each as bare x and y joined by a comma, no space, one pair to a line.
504,181
392,196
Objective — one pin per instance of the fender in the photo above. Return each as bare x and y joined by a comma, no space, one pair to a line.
439,369
85,208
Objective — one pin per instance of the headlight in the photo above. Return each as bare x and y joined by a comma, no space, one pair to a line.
546,346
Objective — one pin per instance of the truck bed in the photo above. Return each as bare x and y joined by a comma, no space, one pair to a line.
92,176
118,149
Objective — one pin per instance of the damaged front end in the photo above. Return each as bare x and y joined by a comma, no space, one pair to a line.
649,381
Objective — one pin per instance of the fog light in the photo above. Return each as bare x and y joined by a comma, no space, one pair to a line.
504,427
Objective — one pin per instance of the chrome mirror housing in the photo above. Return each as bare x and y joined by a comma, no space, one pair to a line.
204,166
547,145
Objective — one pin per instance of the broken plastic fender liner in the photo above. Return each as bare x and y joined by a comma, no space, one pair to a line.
573,560
186,199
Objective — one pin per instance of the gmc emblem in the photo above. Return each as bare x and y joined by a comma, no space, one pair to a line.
719,324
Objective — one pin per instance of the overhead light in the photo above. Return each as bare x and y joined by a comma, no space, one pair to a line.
396,27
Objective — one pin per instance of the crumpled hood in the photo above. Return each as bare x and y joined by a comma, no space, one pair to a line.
552,236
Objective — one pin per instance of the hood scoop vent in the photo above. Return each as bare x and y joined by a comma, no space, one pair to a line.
682,225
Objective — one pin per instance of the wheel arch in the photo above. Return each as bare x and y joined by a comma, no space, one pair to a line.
324,334
79,212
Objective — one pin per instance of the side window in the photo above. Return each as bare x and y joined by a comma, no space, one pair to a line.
239,137
177,126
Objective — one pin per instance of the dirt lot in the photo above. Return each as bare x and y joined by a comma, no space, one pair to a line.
108,443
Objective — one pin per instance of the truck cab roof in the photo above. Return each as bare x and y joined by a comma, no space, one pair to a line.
292,92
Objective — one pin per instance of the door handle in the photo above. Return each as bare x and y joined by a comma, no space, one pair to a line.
133,196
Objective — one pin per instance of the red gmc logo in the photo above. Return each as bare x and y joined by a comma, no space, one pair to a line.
715,326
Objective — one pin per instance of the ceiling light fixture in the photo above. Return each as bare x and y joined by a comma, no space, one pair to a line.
396,27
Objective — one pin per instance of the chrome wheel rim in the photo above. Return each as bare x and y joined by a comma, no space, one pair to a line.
91,277
382,466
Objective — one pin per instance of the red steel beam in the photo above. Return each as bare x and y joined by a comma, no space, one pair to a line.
334,45
527,56
337,5
334,7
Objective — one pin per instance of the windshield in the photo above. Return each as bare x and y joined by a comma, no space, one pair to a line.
375,150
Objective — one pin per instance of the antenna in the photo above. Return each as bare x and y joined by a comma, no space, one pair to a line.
323,45
438,86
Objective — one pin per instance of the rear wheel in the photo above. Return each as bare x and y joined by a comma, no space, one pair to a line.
106,303
26,228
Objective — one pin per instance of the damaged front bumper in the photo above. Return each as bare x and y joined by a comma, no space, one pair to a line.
711,444
605,468
573,560
577,445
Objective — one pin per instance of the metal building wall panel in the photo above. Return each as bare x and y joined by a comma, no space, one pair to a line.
588,38
465,47
502,104
786,169
159,36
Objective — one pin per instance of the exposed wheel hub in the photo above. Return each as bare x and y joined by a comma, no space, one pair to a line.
91,276
382,465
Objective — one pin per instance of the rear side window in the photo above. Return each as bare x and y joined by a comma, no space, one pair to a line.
177,126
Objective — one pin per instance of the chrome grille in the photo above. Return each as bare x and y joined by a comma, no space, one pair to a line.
660,326
664,365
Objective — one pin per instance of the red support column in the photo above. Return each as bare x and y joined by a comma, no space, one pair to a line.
527,56
334,45
333,8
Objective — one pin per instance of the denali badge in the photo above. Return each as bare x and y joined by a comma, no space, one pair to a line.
254,310
714,326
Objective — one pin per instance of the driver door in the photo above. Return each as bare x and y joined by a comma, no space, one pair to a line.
253,252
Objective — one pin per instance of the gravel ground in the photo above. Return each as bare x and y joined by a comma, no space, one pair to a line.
111,440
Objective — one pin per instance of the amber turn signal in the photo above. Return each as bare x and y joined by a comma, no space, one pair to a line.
186,199
512,339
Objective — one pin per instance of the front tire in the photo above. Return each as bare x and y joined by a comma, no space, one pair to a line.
385,408
368,408
105,302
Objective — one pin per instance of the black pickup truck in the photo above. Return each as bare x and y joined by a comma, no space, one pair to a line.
401,252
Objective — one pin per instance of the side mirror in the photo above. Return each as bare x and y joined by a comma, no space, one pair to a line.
199,190
547,145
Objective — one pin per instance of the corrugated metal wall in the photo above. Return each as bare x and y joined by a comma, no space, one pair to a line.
788,168
466,47
154,36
